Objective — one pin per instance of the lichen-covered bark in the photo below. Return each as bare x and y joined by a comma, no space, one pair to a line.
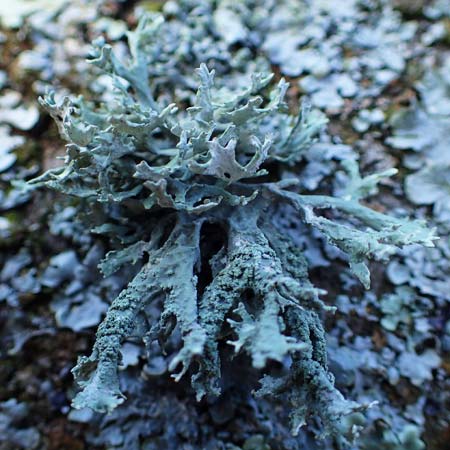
142,161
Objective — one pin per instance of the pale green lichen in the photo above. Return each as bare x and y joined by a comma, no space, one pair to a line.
159,173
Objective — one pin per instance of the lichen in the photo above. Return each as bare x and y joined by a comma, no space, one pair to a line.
157,163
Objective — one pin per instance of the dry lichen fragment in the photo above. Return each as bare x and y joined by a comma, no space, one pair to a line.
165,174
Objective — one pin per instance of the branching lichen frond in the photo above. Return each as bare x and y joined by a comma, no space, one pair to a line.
223,159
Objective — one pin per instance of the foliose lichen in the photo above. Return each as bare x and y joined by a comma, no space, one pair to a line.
187,181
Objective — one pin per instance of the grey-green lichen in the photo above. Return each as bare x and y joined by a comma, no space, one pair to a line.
159,164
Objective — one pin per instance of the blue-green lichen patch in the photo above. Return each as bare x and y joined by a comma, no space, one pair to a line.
164,171
249,339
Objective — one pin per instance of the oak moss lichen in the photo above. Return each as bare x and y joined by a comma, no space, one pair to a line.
158,162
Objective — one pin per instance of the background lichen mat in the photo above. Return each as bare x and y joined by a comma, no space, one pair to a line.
209,188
